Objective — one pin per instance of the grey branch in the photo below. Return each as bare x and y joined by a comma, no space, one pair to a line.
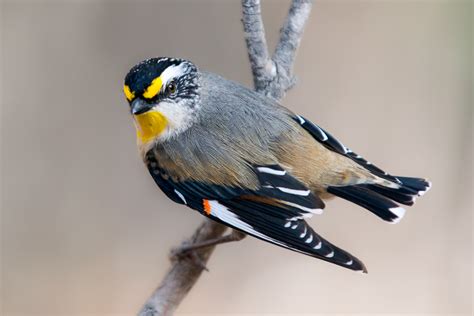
272,77
183,274
263,68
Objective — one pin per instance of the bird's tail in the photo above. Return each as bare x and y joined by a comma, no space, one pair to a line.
381,199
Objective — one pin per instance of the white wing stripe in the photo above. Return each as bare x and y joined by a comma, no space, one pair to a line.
306,209
305,215
325,137
181,196
223,213
295,192
330,255
304,232
271,171
302,121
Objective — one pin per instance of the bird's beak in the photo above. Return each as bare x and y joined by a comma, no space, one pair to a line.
139,106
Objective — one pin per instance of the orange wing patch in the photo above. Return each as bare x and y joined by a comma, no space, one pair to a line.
207,207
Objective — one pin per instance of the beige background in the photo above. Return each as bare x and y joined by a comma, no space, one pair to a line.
86,232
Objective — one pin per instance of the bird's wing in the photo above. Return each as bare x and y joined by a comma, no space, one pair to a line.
335,145
267,223
274,212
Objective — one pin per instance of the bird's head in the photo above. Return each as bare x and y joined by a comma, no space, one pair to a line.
163,94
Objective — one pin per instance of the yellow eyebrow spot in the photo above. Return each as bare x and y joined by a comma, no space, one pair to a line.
153,88
128,94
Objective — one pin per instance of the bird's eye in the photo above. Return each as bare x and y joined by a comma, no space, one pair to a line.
171,87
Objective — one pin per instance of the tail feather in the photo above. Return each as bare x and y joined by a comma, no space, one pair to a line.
406,194
420,186
381,206
402,196
380,199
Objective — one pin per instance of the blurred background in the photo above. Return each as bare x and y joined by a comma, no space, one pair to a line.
85,231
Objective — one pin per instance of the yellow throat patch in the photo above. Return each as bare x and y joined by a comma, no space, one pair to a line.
149,125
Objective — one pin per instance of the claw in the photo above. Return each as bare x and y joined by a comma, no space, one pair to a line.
186,252
198,261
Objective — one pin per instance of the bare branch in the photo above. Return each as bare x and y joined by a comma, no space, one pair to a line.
183,273
290,36
263,69
272,77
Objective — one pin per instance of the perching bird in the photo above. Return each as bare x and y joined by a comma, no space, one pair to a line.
244,160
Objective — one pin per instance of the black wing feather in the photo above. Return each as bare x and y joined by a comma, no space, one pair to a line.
295,235
333,144
279,223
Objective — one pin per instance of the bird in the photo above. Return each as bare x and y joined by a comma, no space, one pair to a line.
242,159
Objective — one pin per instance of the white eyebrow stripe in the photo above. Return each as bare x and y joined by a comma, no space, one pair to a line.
271,171
171,72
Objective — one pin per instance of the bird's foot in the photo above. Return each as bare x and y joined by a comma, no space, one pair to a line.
185,252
